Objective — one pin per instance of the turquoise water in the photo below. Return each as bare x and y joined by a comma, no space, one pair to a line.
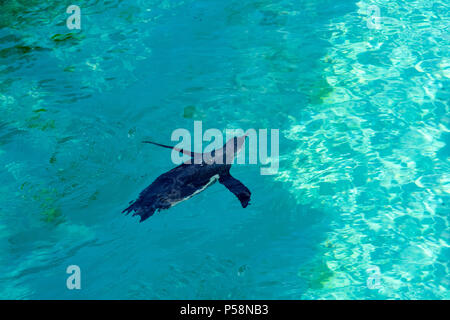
364,178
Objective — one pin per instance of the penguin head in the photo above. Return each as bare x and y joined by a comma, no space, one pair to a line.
234,145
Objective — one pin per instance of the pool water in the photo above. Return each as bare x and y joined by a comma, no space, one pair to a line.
364,176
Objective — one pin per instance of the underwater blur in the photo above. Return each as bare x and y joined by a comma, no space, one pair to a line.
359,91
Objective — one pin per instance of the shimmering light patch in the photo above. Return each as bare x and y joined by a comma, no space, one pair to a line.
374,158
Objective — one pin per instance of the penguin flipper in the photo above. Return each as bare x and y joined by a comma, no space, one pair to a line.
186,152
237,188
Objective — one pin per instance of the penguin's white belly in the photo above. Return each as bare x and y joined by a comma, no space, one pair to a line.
210,182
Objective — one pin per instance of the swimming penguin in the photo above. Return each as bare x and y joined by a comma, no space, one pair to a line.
190,178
